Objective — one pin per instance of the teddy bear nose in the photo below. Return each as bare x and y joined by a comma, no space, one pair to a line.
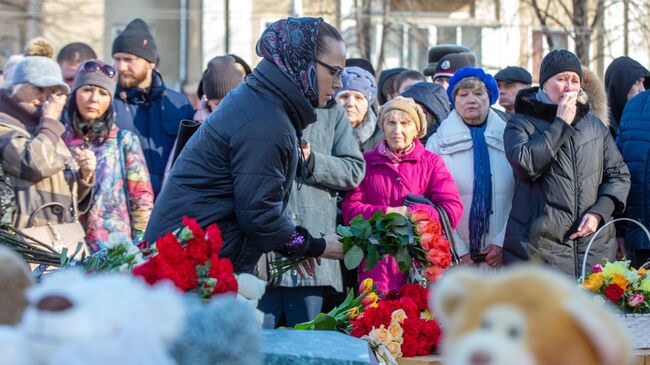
54,303
480,358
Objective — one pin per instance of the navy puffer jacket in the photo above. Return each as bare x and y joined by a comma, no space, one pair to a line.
634,142
238,168
154,116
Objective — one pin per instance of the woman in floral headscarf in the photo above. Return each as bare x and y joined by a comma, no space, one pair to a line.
238,168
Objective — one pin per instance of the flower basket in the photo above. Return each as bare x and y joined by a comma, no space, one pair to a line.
632,283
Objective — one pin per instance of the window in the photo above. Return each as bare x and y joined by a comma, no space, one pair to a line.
541,47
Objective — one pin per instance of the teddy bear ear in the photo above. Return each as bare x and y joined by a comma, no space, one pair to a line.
455,286
607,335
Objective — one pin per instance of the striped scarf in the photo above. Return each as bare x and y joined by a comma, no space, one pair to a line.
482,198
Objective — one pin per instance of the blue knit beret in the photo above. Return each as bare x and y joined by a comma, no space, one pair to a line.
358,79
488,80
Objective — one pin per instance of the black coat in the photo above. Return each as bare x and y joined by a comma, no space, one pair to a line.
562,171
237,169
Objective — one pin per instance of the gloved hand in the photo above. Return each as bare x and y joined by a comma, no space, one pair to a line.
411,199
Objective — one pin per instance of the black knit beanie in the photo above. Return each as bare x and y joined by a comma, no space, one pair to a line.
136,39
556,61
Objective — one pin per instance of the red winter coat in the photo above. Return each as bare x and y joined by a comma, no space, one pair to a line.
386,185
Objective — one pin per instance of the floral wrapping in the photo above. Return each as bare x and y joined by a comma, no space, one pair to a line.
112,214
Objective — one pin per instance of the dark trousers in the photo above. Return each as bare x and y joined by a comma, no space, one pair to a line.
290,306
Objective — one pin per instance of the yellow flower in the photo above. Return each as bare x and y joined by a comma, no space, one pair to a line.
645,285
395,349
381,334
398,316
370,299
426,315
395,330
366,286
594,282
617,267
642,272
353,313
620,280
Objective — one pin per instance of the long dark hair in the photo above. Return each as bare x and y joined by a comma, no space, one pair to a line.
96,131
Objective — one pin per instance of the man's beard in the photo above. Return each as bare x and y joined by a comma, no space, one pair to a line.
134,80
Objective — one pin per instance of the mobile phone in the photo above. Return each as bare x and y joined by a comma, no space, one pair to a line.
304,143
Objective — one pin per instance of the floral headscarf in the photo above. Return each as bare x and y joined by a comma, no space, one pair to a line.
291,45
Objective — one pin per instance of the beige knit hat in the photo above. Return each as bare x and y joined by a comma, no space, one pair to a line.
410,108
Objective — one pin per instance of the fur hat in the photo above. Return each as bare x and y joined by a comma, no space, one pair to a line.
438,52
449,64
137,39
556,61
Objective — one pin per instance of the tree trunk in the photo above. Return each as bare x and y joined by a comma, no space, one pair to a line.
582,30
384,33
364,28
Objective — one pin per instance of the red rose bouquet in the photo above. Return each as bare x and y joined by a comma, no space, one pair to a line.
415,241
401,321
190,259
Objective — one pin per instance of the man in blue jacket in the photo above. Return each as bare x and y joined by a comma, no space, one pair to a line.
142,103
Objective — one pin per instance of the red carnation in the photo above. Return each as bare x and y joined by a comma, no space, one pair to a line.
193,226
417,293
614,292
215,239
222,270
198,250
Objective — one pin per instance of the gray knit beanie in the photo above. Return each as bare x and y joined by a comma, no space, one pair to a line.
96,75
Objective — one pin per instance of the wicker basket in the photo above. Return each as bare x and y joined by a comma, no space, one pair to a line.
638,325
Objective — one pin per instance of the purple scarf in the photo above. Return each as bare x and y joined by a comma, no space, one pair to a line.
290,44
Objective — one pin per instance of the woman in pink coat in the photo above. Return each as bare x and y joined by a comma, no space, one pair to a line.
397,167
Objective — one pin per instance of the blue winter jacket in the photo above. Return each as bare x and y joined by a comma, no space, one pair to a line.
634,142
154,116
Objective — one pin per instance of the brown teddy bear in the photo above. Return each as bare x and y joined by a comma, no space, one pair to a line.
525,315
15,278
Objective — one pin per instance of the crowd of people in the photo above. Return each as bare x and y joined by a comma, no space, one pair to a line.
307,139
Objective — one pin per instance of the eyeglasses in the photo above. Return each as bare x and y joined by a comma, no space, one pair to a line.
336,72
92,66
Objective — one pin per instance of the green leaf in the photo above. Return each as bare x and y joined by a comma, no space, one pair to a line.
404,260
353,257
325,323
361,229
344,231
373,257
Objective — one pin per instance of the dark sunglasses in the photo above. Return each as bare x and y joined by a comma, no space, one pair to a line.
92,66
336,72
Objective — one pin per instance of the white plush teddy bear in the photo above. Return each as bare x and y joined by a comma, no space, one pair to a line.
74,318
251,289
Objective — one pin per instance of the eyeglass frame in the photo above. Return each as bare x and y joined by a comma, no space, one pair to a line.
338,71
